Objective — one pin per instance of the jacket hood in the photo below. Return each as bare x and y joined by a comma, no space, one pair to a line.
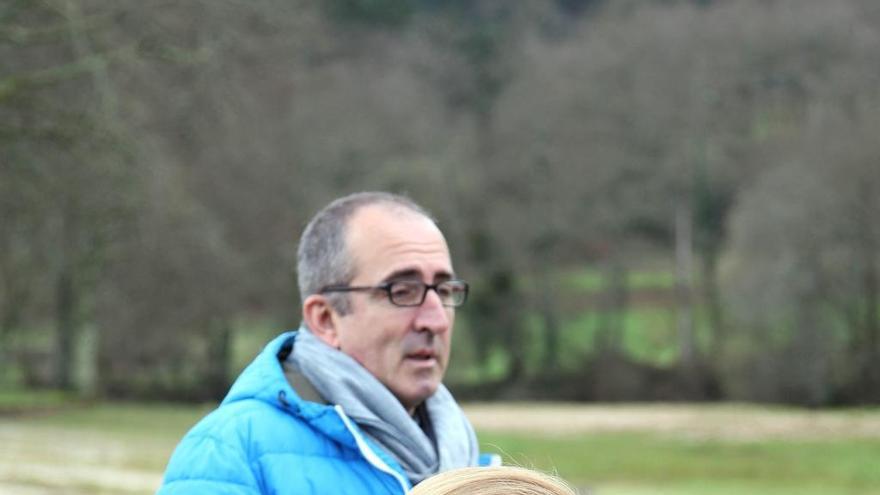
264,380
228,449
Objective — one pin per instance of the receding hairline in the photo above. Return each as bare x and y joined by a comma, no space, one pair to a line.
380,211
323,254
381,208
390,201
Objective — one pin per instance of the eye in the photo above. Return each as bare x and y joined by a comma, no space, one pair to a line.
445,289
404,290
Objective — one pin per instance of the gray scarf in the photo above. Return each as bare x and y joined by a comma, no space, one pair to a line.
342,380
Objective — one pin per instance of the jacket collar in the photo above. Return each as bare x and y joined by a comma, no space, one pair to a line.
264,380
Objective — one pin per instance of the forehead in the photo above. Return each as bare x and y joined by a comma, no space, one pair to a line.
384,239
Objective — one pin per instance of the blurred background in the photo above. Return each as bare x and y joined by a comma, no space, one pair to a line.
653,200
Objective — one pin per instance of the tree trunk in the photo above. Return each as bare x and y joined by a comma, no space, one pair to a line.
714,307
613,302
16,298
219,356
547,309
810,360
871,298
65,329
872,331
66,296
684,300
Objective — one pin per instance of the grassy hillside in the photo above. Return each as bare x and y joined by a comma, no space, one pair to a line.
619,450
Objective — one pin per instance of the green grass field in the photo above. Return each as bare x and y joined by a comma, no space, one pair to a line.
123,448
639,463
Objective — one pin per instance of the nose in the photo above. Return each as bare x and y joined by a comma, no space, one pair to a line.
432,315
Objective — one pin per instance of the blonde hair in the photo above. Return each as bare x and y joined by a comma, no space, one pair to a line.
501,480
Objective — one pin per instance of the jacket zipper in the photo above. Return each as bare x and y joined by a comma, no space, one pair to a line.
367,452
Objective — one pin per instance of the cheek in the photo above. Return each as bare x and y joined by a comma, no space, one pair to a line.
381,340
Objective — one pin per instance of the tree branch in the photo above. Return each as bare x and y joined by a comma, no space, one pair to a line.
13,85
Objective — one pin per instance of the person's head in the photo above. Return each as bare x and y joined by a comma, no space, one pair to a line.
366,241
501,480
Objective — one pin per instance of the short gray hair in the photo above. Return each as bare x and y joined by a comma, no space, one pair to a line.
323,258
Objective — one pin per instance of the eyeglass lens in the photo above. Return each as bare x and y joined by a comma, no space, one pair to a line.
412,293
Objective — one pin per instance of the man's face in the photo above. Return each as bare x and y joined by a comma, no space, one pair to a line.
406,348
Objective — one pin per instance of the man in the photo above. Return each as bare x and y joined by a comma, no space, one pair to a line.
353,401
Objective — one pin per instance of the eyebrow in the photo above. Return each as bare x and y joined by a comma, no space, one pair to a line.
412,273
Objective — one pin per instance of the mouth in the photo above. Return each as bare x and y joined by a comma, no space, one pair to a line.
422,356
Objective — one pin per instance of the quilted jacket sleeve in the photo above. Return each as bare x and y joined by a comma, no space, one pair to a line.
206,464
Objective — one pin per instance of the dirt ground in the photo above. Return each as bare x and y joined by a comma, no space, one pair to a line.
36,460
728,422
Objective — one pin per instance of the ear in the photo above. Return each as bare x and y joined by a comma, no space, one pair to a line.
320,317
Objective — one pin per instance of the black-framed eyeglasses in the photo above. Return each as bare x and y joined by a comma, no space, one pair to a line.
409,293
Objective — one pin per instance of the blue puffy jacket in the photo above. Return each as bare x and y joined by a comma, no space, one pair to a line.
264,438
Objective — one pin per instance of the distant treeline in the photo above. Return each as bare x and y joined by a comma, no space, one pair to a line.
158,161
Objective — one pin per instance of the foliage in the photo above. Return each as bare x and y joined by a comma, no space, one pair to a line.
158,164
17,401
381,12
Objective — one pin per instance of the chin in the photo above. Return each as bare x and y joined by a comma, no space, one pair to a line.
422,392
